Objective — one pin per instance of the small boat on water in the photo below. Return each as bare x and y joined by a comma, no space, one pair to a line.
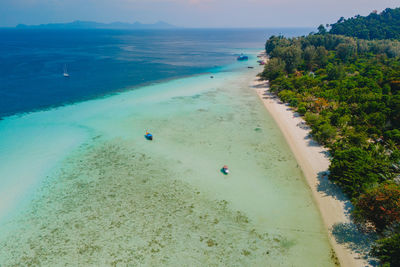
148,136
225,169
65,74
242,57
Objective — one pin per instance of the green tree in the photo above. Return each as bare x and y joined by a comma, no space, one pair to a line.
395,110
393,135
309,56
325,133
353,170
388,250
351,100
380,206
321,56
273,69
274,42
374,26
321,29
291,55
335,72
345,51
311,118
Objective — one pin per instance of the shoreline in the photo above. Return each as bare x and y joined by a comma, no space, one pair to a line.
314,162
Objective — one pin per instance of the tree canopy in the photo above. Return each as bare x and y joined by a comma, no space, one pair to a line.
348,90
385,25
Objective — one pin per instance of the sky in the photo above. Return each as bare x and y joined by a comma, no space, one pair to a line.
190,13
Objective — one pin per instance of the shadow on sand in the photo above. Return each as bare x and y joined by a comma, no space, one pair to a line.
311,141
355,240
260,85
348,233
330,189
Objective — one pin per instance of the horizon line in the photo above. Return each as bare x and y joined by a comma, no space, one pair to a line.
175,28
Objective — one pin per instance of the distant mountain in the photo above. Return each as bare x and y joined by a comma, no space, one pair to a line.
96,25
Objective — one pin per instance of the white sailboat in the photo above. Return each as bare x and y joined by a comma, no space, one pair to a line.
65,71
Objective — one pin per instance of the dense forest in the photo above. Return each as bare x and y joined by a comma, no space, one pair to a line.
348,91
385,25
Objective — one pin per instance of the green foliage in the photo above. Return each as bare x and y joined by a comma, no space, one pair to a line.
275,42
335,72
393,135
309,55
346,51
321,56
321,29
385,25
394,106
287,95
353,170
325,133
301,108
274,68
349,93
311,118
291,55
388,250
379,206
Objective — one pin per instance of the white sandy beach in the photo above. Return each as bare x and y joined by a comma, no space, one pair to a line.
314,162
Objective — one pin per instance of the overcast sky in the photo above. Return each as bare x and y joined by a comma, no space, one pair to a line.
190,13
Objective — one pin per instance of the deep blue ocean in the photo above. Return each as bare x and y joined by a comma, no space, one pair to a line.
102,62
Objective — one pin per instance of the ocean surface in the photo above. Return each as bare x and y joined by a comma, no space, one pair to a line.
80,185
101,62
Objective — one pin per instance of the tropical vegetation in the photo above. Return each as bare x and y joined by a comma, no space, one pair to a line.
385,25
348,91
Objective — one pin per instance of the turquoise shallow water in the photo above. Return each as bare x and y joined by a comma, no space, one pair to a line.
104,195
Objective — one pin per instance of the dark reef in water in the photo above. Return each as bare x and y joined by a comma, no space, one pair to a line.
113,205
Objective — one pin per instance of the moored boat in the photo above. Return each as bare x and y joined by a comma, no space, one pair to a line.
65,74
242,57
225,169
148,136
